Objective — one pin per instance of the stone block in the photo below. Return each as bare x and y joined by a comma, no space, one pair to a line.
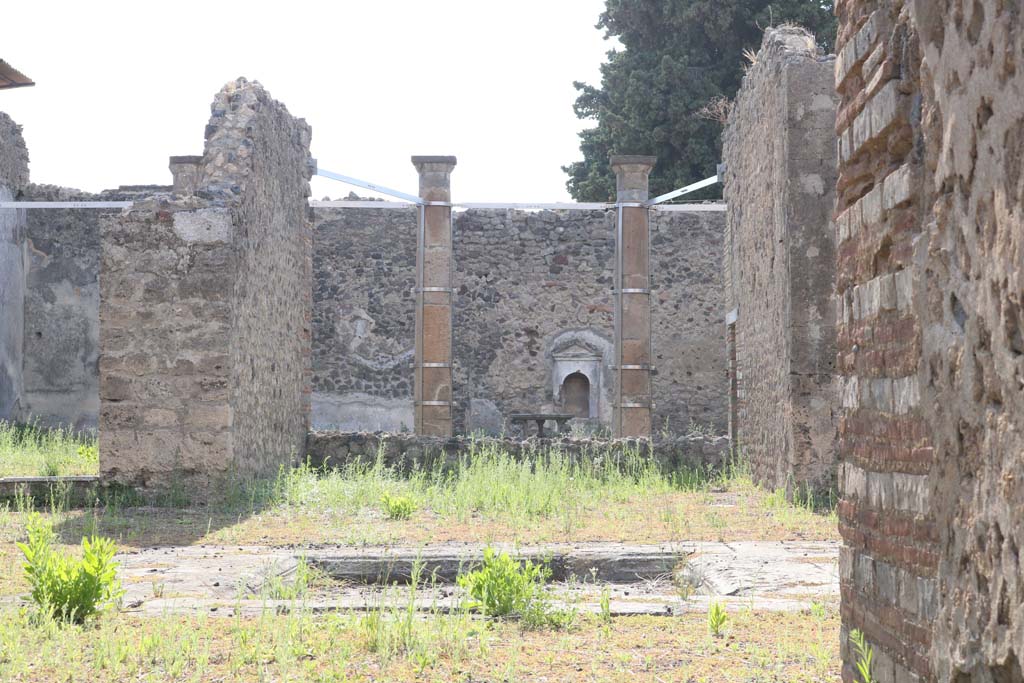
437,270
437,334
636,422
636,384
437,227
636,352
437,384
636,317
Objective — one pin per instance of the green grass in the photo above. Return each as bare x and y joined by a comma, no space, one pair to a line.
486,496
486,481
29,451
387,644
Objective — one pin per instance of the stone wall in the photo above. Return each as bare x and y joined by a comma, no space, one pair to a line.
13,180
364,263
406,452
61,314
204,311
929,275
779,151
532,299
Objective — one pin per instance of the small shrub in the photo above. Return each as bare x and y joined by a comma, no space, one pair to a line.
864,654
717,617
397,507
504,587
68,588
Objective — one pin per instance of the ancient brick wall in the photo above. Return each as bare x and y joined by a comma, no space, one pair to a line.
778,261
13,180
529,286
929,275
204,327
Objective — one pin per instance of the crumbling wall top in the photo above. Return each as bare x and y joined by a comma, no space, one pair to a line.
229,158
14,159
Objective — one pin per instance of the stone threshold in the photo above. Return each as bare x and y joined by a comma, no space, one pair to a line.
80,488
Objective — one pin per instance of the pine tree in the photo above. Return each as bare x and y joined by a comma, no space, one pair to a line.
677,56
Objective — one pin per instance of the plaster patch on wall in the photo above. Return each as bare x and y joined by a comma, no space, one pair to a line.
205,225
361,412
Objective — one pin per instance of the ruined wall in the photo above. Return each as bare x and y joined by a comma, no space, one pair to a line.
929,271
13,179
408,452
204,327
778,265
266,167
364,263
62,300
973,332
529,286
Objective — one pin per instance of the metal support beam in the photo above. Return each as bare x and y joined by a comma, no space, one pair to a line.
348,180
65,205
684,190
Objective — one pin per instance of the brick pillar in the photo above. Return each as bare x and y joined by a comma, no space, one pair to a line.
632,416
433,385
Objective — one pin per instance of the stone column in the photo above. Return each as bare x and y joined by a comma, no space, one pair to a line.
632,416
186,172
433,385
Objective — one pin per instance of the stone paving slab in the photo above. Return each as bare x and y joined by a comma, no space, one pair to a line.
641,578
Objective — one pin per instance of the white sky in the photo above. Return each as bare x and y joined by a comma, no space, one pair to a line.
121,86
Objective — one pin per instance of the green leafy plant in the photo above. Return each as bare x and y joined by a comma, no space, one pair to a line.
89,453
503,586
68,588
397,507
864,654
717,617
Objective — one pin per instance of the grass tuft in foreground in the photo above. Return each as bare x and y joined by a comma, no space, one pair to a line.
390,644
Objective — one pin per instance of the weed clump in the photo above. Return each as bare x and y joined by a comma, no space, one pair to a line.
505,587
67,588
397,507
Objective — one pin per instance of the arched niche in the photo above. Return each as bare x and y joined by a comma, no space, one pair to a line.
576,395
587,354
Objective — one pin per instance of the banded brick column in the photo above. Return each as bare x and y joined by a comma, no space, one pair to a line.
433,384
888,561
632,414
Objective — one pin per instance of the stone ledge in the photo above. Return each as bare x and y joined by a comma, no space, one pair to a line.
406,451
81,489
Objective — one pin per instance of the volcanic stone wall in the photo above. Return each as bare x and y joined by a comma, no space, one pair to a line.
409,452
779,151
929,275
204,310
13,180
528,286
364,263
